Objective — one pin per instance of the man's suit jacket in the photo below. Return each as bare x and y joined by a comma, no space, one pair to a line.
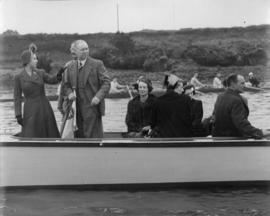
95,77
231,117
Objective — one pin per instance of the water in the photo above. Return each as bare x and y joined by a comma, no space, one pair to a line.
252,201
114,119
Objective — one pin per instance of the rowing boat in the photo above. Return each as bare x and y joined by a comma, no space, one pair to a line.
157,92
123,162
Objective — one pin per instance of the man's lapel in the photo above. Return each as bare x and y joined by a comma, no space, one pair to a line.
87,69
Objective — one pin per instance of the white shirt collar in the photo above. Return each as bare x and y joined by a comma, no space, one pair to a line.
82,61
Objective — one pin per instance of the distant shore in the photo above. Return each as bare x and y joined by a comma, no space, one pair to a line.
127,77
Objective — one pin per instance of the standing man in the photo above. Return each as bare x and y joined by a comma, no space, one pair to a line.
88,82
230,116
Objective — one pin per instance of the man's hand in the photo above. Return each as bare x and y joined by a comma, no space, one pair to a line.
95,101
71,96
146,128
266,132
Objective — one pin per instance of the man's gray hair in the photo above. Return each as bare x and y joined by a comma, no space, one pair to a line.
80,43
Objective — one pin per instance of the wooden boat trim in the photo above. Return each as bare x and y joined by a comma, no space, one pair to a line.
135,142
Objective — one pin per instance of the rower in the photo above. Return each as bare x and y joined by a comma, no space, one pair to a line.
195,82
217,82
253,80
116,87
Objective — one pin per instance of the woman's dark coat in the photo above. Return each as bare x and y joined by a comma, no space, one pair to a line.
139,114
172,115
230,117
38,116
196,118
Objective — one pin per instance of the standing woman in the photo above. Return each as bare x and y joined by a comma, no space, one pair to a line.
38,118
139,110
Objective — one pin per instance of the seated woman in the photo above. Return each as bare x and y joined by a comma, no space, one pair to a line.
172,111
139,110
38,118
196,112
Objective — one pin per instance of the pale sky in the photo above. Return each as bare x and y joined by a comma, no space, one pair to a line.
91,16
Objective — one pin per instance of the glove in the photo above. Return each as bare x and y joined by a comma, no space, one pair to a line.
59,73
19,120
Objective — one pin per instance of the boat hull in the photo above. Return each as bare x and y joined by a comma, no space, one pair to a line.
130,162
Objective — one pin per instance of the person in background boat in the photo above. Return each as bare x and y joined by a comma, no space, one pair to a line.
135,85
196,112
230,115
253,80
139,110
195,82
172,112
38,118
217,82
90,80
116,87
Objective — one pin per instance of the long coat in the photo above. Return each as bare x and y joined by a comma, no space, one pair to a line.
172,115
38,116
139,114
230,117
196,117
96,83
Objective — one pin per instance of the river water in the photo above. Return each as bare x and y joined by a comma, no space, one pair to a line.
252,201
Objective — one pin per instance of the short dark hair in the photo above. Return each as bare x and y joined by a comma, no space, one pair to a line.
232,78
147,82
186,87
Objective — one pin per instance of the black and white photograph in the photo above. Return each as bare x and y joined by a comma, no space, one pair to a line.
134,108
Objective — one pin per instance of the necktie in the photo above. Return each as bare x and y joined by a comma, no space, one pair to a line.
80,65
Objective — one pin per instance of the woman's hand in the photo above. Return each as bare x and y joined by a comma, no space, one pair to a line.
146,128
59,73
19,120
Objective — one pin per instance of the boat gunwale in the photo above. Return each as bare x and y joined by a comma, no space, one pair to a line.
14,141
263,184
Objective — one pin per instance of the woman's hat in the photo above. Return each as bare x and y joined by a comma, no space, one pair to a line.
173,79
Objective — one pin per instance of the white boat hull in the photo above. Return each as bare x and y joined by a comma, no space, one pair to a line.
104,165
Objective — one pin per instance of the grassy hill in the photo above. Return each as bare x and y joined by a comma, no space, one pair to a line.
186,51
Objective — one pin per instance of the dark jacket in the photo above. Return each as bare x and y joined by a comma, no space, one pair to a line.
196,118
92,80
97,78
172,115
230,117
254,81
38,116
139,114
